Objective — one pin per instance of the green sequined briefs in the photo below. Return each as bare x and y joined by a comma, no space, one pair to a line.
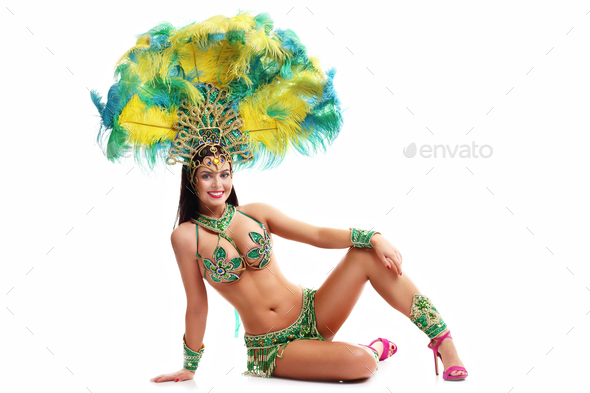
264,349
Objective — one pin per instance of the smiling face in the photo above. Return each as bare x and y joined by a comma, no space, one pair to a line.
214,183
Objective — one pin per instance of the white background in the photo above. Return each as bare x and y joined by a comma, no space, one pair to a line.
92,297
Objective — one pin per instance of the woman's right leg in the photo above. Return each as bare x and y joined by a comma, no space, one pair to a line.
325,361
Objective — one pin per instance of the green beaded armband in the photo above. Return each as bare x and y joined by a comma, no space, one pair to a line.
191,358
361,238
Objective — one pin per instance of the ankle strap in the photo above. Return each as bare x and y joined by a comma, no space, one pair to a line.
439,340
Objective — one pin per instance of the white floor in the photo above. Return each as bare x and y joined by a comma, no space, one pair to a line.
74,353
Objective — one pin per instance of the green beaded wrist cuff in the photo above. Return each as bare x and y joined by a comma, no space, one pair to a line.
361,238
426,317
191,358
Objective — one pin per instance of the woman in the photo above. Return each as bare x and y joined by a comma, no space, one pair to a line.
267,301
237,91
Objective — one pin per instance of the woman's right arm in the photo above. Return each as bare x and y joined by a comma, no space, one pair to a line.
196,298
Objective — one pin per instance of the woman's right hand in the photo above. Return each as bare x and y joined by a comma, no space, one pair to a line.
177,376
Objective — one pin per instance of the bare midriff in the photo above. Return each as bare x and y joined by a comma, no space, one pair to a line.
265,300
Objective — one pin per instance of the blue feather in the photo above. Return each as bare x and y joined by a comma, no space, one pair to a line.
97,100
112,106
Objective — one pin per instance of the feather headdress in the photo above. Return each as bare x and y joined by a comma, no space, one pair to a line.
275,95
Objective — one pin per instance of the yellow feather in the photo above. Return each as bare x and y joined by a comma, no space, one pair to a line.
209,62
147,127
194,95
166,64
257,43
214,63
316,63
242,21
147,66
289,95
143,42
197,32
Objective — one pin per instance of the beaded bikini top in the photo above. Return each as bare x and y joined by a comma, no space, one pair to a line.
226,271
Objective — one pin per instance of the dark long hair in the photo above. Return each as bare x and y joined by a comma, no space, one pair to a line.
188,205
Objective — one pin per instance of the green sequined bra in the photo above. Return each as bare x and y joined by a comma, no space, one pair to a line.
219,267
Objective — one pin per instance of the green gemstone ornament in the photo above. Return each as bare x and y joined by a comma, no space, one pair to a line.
264,249
426,317
217,225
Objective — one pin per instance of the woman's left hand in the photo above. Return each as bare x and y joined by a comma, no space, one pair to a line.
387,253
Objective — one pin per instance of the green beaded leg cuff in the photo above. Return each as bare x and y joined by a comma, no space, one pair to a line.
376,362
191,358
374,352
426,317
361,238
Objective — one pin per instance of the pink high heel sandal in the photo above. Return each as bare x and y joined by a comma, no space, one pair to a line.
447,374
384,354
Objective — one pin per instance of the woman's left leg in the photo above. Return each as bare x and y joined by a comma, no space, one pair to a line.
337,296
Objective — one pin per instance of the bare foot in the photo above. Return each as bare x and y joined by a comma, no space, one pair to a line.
449,354
378,345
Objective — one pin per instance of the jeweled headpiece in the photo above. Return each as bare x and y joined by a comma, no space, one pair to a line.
247,92
214,124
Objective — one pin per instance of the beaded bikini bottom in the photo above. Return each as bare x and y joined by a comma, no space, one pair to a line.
264,349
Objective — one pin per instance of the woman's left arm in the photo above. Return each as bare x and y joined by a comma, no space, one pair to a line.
289,228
